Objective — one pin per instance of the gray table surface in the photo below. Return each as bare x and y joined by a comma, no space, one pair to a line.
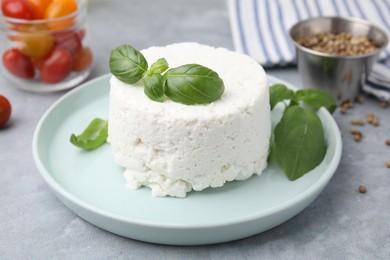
340,224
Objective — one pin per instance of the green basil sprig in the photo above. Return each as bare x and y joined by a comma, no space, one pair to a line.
93,136
188,84
299,141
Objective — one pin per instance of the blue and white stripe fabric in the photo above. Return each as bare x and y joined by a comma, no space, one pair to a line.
260,30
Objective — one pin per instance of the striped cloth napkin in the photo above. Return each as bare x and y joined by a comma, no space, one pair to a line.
260,30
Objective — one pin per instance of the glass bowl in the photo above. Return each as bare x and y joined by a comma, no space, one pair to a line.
46,55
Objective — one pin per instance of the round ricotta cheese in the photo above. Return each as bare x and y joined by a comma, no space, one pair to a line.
174,148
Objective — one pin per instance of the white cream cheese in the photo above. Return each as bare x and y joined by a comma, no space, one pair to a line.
173,148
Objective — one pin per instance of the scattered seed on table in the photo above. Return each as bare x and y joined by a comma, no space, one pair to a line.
384,104
357,121
362,189
357,137
387,141
360,99
343,110
347,103
388,163
354,130
372,119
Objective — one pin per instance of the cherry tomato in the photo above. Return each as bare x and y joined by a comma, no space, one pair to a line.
37,62
82,60
57,66
18,64
20,9
5,111
68,40
34,40
81,32
59,8
38,8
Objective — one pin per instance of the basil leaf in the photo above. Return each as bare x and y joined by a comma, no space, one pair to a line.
154,87
127,64
299,141
316,98
278,93
158,67
93,136
192,84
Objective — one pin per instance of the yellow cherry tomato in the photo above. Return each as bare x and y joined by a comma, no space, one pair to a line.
61,8
39,7
34,41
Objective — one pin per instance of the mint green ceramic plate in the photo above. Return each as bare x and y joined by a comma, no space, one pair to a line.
92,186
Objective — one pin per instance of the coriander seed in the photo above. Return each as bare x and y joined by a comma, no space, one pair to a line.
343,110
357,121
372,119
343,44
354,130
388,163
347,103
357,137
360,99
387,141
362,189
384,104
375,122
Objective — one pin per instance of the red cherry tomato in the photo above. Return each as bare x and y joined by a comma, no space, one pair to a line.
20,9
38,8
18,64
68,40
82,60
57,66
5,111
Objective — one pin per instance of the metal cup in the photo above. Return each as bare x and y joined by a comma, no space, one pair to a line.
342,76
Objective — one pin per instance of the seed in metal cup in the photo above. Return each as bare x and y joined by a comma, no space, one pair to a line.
339,72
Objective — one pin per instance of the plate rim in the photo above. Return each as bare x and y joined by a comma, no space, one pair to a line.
57,188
